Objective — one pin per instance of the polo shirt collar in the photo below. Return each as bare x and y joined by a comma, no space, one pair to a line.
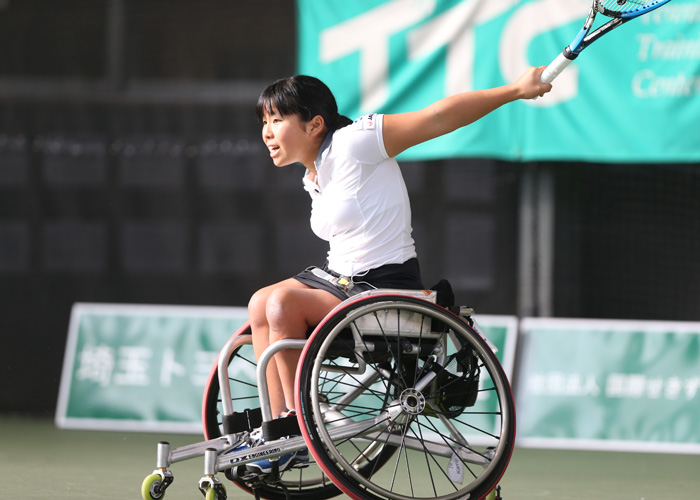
322,153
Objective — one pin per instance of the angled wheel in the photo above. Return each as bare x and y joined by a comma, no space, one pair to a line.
242,382
407,377
309,483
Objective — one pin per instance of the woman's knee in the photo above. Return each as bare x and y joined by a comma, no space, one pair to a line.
284,313
257,306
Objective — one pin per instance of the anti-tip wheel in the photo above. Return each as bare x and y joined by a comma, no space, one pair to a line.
152,487
494,494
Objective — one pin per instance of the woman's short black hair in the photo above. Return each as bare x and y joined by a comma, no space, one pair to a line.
305,96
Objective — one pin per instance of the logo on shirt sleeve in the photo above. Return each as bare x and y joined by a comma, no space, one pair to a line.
367,122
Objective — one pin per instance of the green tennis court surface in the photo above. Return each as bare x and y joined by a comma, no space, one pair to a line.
39,461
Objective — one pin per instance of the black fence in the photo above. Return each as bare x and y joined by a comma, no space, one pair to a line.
132,171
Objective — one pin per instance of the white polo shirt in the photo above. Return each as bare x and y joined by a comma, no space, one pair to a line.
359,200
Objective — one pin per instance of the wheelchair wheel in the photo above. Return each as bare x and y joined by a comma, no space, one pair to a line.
309,483
242,380
402,374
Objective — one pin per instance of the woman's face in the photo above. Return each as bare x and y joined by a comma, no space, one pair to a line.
286,138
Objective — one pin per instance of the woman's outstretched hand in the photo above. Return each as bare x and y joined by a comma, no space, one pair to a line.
530,85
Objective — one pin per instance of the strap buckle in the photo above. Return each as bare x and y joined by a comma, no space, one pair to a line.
340,282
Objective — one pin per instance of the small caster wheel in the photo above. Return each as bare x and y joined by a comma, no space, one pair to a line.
216,493
212,488
152,487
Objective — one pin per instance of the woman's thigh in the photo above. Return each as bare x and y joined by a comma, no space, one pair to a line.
298,308
293,301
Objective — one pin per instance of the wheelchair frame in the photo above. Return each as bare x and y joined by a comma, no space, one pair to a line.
427,341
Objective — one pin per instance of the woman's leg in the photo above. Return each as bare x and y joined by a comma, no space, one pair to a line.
290,313
281,311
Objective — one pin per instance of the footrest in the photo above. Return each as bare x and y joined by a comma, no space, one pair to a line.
244,421
281,427
253,479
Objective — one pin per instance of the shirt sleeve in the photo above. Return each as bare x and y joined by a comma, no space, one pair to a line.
363,140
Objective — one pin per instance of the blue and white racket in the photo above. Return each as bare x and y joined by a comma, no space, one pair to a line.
620,11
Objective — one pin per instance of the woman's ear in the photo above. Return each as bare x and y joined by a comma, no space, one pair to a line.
316,125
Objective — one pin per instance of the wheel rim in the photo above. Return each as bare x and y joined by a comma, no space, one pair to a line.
413,413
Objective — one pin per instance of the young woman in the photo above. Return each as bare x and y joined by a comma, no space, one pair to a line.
359,205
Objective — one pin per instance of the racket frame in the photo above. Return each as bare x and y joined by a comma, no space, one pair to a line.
585,37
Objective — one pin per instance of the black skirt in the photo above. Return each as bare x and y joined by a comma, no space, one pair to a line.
404,276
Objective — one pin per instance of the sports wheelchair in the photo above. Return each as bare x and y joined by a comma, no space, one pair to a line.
397,398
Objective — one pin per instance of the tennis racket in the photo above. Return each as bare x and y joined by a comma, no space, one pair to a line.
620,11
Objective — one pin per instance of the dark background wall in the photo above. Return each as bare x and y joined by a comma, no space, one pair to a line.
132,171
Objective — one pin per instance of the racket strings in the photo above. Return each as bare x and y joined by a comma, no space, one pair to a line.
622,6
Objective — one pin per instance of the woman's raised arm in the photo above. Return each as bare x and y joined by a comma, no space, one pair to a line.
404,130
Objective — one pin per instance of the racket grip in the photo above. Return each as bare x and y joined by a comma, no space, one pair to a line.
556,67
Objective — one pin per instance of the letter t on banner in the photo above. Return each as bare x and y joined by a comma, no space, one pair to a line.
352,36
455,29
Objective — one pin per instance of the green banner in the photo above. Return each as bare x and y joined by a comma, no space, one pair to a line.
502,333
613,385
632,96
133,367
143,368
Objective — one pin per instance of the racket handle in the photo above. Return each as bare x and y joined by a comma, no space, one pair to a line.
557,66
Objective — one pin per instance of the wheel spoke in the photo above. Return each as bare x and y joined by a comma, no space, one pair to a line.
425,403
